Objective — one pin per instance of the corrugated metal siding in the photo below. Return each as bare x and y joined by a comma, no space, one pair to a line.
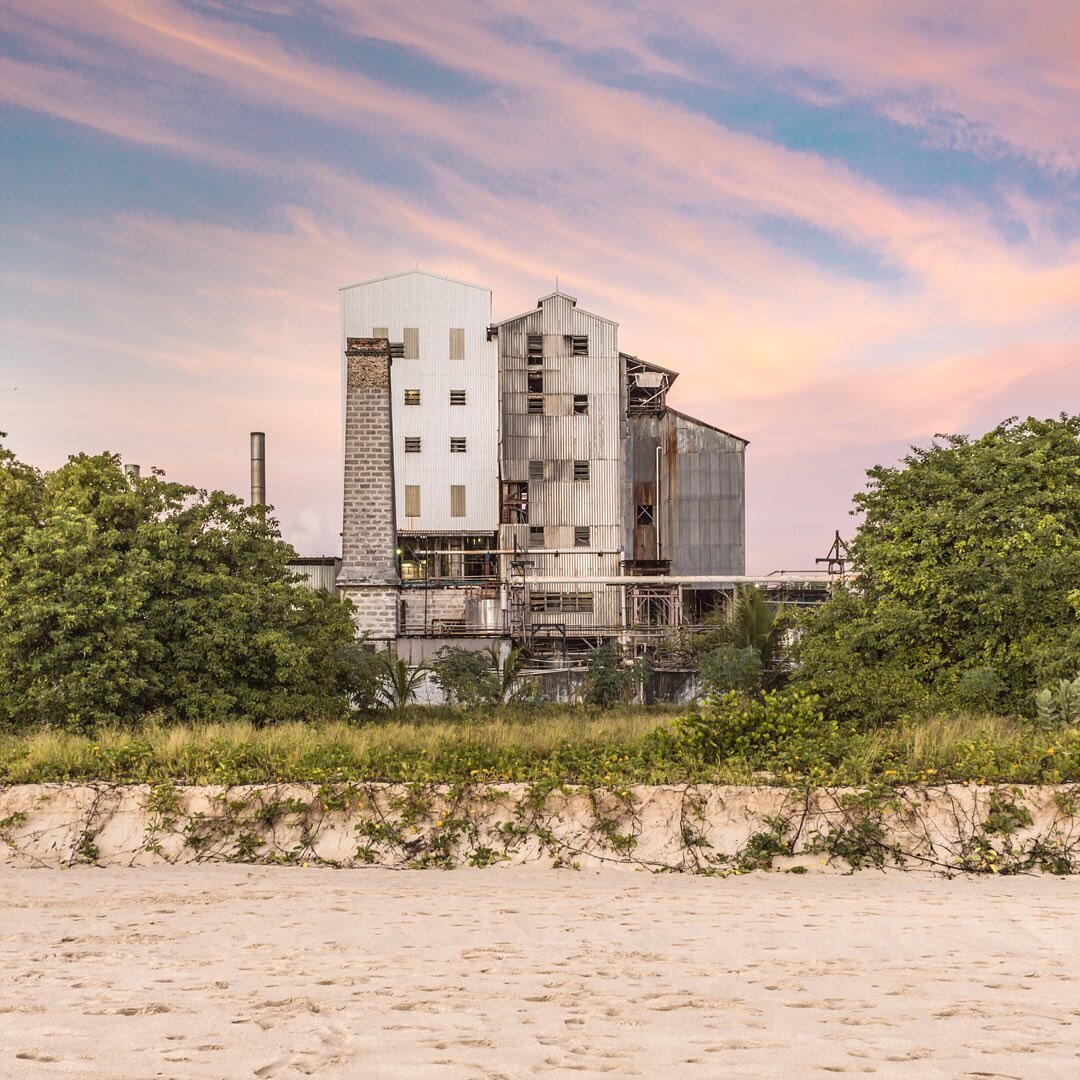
435,306
702,510
318,573
559,437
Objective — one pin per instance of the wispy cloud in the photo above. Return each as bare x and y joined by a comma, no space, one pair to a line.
573,155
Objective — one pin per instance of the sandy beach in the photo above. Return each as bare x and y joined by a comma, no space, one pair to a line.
235,971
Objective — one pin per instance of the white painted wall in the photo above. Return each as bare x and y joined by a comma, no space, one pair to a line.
434,304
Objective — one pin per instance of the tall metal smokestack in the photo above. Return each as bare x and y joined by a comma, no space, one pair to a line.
258,468
131,472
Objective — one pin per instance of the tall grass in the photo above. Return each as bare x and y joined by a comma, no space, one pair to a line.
554,744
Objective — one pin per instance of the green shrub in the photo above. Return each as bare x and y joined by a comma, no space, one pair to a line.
779,730
467,677
730,668
1058,704
610,680
980,688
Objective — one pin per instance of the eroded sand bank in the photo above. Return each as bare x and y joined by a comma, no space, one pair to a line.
686,827
229,971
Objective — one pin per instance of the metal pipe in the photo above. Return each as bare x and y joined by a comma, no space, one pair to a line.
258,468
625,580
659,507
131,472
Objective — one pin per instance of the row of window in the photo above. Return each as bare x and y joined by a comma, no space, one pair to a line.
574,344
412,397
582,536
535,406
567,603
409,347
412,500
458,444
582,533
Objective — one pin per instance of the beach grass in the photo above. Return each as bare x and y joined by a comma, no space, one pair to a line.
555,744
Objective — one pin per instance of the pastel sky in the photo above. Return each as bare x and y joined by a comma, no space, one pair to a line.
849,225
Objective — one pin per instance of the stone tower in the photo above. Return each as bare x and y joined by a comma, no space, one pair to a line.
369,570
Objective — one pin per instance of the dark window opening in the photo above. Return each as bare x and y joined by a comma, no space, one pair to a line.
515,504
412,444
536,470
412,397
580,344
457,444
536,536
536,404
562,602
457,397
536,382
581,470
582,536
581,404
645,515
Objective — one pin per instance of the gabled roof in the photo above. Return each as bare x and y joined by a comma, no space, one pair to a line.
415,270
554,296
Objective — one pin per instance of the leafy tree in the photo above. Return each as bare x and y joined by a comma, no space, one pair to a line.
967,558
467,677
748,650
609,681
121,597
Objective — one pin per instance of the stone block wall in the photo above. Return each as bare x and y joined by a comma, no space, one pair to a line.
369,571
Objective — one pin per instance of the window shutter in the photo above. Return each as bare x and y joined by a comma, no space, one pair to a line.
412,343
457,343
412,500
457,500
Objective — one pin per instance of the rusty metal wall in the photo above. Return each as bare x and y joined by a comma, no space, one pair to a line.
559,437
702,509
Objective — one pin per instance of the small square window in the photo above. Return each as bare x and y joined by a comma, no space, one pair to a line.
536,470
412,444
645,514
397,350
412,397
536,536
581,470
580,344
380,331
457,397
581,536
581,404
457,444
536,404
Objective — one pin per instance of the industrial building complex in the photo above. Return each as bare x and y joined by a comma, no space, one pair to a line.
523,480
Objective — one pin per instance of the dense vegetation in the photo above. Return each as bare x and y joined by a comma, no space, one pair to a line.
149,630
968,592
123,597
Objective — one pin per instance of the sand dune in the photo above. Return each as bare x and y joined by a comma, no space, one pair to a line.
236,971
